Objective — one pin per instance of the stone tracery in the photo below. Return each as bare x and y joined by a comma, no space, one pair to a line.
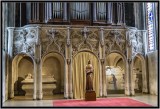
57,38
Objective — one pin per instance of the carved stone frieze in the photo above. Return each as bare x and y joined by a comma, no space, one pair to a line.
76,39
135,41
68,61
85,46
139,36
54,40
93,39
24,41
114,40
85,39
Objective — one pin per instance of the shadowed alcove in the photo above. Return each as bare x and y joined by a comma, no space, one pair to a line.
53,67
22,65
115,73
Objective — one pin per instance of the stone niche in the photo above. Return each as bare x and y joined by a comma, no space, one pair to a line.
48,85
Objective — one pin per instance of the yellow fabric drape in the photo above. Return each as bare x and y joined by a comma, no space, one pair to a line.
79,75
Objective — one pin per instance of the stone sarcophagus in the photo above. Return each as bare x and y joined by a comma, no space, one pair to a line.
48,85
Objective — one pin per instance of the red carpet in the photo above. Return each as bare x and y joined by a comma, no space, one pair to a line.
101,102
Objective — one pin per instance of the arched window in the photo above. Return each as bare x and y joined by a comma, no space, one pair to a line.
151,26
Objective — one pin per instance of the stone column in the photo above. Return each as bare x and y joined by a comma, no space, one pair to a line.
66,79
102,57
10,56
104,92
69,63
38,65
4,71
144,77
35,78
4,48
128,77
101,54
131,79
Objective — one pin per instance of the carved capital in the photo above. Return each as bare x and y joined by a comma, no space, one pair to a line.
102,61
68,61
129,61
37,60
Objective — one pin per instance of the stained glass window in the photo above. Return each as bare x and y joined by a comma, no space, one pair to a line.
150,27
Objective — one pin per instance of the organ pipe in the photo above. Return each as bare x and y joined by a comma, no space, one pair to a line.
108,11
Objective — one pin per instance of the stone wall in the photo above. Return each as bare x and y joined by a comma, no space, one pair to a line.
152,68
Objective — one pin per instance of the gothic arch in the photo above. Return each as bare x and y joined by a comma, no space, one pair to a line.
15,65
144,77
56,59
125,68
82,58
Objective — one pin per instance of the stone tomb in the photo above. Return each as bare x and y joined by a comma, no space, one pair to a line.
48,85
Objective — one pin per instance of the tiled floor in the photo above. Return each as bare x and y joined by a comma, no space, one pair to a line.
27,101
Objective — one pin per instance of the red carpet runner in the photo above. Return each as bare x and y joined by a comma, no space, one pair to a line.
101,102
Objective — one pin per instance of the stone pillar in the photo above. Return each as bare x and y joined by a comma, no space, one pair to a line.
144,77
128,79
66,79
127,88
102,57
65,11
4,71
4,76
38,65
104,92
94,12
35,79
10,56
69,63
131,79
